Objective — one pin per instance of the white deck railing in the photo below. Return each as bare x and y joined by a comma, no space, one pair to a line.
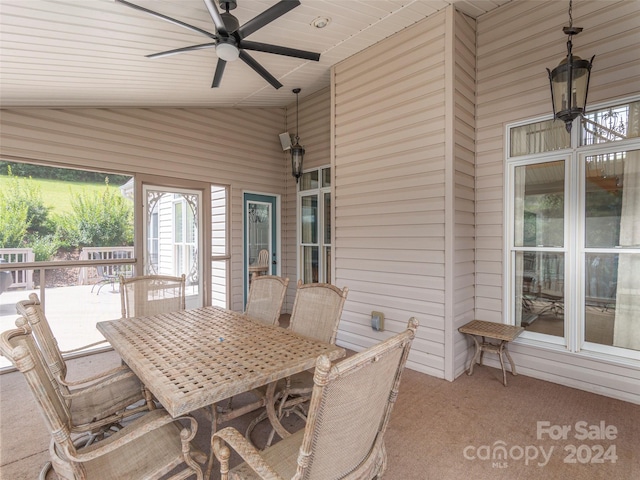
101,253
21,278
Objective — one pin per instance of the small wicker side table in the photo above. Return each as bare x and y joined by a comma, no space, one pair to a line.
495,331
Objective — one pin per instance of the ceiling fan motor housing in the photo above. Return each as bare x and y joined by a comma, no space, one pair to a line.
230,22
227,4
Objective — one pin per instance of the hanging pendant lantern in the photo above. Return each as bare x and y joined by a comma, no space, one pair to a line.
297,151
570,81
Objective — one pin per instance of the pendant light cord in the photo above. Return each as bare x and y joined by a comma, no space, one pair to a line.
297,115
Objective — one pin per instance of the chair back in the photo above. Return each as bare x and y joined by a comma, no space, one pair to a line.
151,294
263,258
266,295
18,345
32,311
317,309
350,410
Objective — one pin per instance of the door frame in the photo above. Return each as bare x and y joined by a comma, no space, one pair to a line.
276,238
204,248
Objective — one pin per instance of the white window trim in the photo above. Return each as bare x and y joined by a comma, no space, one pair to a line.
320,191
572,342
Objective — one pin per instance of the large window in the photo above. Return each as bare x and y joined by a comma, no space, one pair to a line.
314,240
573,235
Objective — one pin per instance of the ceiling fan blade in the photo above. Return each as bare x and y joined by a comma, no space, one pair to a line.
278,50
216,17
168,19
217,77
267,16
246,58
180,50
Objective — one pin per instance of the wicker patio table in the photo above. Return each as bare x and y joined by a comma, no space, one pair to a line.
496,331
194,358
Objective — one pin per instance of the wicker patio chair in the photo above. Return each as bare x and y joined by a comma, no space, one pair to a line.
344,434
317,309
148,447
266,296
316,313
109,274
113,394
261,265
97,404
151,294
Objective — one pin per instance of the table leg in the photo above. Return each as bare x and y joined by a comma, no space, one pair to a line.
482,349
504,372
513,365
214,427
271,411
475,356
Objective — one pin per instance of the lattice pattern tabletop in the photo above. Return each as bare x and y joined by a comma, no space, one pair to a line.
194,358
499,331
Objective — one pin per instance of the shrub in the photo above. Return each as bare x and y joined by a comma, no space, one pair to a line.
23,192
13,222
98,220
44,248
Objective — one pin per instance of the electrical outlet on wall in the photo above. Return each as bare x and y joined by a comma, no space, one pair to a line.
377,321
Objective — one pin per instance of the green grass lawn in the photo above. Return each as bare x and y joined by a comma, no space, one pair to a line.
58,193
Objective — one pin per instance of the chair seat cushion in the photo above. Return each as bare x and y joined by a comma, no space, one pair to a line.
112,397
150,456
302,381
282,457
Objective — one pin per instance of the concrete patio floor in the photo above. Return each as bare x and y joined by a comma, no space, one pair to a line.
71,311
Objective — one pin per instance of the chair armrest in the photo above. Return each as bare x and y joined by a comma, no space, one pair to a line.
245,449
100,377
84,347
95,383
142,426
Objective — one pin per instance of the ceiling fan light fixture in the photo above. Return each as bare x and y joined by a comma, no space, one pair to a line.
227,51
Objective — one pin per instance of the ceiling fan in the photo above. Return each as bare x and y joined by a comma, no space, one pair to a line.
229,39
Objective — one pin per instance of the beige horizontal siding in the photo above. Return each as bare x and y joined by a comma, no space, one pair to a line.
389,149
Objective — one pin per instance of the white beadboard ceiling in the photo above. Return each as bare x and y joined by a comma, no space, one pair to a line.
91,53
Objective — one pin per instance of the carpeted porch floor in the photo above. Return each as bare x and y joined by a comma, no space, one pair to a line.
470,428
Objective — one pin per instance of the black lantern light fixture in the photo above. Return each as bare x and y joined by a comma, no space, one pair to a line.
297,151
570,81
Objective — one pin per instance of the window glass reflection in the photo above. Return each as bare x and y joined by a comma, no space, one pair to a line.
539,205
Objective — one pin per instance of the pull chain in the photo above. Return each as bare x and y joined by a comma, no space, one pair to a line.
570,13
